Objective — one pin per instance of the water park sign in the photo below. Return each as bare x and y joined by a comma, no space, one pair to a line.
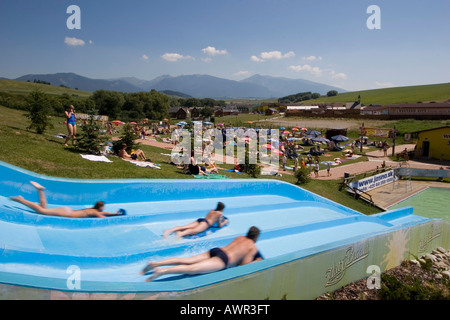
374,182
378,133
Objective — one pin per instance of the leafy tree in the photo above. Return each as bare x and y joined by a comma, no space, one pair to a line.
206,112
332,93
39,107
108,103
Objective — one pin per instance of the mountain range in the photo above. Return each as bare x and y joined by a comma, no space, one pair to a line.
198,86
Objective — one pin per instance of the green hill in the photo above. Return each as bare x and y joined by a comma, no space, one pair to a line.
413,94
23,88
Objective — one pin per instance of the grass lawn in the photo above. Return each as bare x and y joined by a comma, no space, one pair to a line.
24,88
412,94
46,154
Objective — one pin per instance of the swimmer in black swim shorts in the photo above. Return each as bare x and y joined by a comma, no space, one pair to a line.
242,250
214,218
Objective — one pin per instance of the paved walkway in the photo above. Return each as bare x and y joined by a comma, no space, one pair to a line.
376,158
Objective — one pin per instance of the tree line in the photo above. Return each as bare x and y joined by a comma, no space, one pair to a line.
305,96
116,105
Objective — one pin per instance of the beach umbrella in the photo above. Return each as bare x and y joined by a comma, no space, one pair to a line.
293,139
208,123
132,123
295,129
230,143
320,139
181,123
282,128
285,132
313,133
340,138
304,129
266,146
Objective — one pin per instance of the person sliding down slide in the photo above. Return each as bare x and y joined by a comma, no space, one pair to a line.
202,224
96,211
242,250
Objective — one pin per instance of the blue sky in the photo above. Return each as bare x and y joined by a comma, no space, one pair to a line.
325,41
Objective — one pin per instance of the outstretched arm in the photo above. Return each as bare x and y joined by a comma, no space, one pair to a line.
223,221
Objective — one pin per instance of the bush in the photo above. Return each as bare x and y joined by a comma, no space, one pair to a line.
302,176
332,93
39,111
128,137
90,141
394,289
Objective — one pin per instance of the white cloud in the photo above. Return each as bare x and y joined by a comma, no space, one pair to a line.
256,59
242,73
91,42
211,51
272,55
316,71
173,57
74,42
144,57
207,60
312,58
339,76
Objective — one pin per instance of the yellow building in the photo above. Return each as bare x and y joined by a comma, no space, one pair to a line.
434,143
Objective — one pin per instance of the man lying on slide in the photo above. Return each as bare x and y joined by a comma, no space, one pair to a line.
214,217
242,250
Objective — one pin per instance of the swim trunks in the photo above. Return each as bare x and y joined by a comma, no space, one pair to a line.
217,252
204,220
258,255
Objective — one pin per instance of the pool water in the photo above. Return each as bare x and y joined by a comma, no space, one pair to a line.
431,203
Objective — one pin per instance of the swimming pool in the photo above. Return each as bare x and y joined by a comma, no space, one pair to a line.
431,202
310,244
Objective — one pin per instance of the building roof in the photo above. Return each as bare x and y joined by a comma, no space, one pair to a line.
421,105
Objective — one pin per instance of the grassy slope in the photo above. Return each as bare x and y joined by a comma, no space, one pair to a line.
23,88
413,94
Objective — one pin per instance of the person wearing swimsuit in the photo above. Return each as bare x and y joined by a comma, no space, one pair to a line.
41,208
71,124
242,250
214,217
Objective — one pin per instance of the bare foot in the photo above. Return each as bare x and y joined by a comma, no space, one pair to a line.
16,199
37,185
155,275
149,267
166,233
